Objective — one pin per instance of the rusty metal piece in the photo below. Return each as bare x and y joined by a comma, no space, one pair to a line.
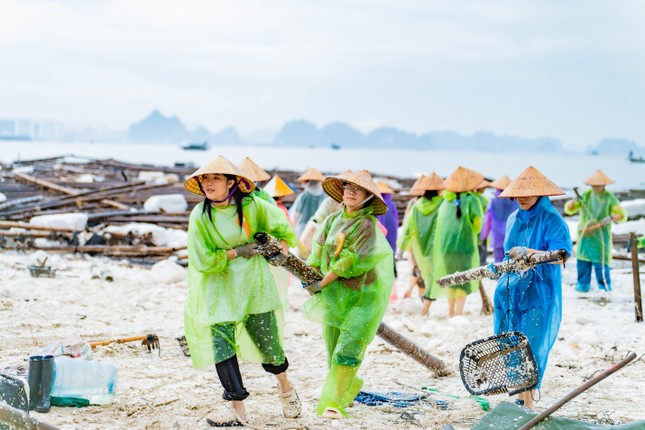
183,344
151,342
41,271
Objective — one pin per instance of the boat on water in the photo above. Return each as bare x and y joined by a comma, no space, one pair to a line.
636,159
203,146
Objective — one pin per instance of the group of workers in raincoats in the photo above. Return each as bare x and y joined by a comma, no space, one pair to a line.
235,305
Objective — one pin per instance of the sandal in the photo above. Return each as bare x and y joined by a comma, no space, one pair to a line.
224,423
331,413
229,419
291,406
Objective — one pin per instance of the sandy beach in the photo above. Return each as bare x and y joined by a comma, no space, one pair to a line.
165,392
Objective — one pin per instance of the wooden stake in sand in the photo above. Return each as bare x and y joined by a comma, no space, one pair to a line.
638,302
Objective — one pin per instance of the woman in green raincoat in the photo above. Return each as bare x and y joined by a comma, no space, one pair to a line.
233,306
455,244
356,261
417,233
598,208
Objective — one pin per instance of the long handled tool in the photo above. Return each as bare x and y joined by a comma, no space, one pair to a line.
149,341
593,381
596,223
271,249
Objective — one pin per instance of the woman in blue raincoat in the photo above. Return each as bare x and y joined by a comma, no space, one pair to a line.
531,302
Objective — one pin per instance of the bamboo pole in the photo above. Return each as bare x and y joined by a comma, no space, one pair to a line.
638,302
142,167
43,183
115,251
39,234
593,381
27,226
50,185
85,196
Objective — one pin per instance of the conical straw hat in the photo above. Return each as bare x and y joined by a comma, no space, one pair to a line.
431,183
483,184
221,166
599,178
463,179
277,187
501,183
311,175
333,186
384,188
253,171
531,182
414,189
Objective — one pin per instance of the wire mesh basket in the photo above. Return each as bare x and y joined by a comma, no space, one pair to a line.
502,363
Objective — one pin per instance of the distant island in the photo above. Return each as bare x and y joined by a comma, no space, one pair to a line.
159,128
338,135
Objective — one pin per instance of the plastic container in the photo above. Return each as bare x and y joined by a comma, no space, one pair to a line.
92,380
13,392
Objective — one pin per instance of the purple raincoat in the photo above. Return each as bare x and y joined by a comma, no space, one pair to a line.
495,218
390,220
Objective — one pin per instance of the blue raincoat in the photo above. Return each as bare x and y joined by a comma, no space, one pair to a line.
535,306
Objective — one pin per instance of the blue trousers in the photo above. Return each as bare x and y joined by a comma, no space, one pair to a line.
584,276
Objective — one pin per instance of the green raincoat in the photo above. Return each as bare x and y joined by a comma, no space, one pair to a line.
259,192
417,236
595,246
455,241
228,291
351,307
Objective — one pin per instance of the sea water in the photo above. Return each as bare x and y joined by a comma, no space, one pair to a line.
566,169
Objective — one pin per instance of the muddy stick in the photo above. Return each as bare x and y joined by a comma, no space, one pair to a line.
271,249
495,269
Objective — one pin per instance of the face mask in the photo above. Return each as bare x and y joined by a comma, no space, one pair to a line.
314,187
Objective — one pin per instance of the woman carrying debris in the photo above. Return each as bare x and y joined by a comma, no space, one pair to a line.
598,208
233,306
531,302
418,231
459,221
356,261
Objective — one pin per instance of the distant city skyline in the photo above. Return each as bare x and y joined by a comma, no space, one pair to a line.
571,71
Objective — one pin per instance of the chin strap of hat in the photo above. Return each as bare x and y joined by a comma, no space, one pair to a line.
235,187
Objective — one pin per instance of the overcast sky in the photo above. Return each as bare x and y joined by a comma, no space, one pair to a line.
570,69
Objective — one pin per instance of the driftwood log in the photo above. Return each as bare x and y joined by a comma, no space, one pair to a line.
495,269
271,249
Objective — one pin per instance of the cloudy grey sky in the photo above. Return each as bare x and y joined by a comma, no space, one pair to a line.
571,69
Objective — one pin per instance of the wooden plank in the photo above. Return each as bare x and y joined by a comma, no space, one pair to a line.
638,302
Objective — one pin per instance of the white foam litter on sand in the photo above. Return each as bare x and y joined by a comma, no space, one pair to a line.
165,392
